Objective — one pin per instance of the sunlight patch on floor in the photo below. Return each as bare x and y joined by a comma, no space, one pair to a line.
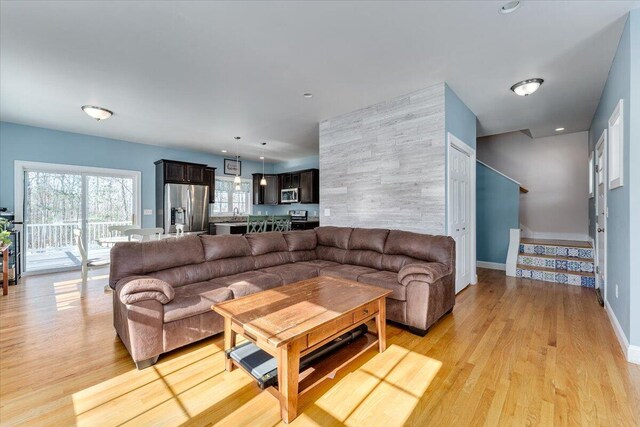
67,292
171,392
384,391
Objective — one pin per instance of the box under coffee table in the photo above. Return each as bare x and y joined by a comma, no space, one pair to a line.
291,321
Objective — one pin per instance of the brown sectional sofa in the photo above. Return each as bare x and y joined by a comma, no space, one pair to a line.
164,289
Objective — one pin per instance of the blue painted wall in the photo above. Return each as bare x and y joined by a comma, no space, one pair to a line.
634,174
19,142
619,257
458,118
497,211
461,122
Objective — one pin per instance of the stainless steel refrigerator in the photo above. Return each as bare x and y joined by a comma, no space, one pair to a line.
186,204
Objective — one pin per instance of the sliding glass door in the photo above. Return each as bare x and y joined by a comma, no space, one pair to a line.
59,200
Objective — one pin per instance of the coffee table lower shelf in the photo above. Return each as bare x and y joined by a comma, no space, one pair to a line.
327,367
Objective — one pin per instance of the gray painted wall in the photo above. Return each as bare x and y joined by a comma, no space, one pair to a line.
383,166
555,172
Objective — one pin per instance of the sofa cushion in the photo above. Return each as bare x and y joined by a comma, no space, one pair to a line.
421,246
337,237
183,275
139,258
194,299
301,240
346,271
370,239
225,246
264,243
330,253
229,266
271,259
370,259
319,264
387,280
249,283
293,272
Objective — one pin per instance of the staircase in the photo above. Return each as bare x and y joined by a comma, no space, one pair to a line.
559,261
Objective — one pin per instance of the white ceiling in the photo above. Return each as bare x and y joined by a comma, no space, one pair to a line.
195,74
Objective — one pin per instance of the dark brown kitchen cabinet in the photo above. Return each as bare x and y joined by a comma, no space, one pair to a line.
176,172
210,180
309,186
265,194
289,180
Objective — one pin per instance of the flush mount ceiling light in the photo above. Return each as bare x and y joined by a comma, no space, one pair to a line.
263,181
527,87
559,129
97,113
510,7
307,95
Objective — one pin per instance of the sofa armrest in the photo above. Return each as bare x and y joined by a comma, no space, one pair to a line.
429,272
143,288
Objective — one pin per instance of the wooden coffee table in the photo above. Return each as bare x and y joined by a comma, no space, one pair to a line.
293,320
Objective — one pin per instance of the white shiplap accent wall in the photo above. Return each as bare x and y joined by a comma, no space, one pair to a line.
383,166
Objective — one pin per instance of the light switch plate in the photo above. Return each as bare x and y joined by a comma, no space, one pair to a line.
148,212
327,212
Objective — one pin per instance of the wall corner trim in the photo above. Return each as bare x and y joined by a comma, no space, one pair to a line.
631,352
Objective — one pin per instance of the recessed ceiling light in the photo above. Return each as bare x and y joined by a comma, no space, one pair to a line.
512,6
97,113
224,151
527,87
307,95
261,157
559,129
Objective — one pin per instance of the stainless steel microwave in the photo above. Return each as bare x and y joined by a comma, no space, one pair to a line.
289,195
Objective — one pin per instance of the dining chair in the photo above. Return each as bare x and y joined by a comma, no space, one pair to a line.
281,223
257,223
145,234
87,264
118,230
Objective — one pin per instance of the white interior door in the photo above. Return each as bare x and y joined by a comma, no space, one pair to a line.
601,213
459,215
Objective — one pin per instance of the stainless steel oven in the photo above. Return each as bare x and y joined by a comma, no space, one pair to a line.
289,195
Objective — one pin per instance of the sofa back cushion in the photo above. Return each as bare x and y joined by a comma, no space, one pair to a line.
142,258
403,247
333,243
302,245
268,249
225,246
366,246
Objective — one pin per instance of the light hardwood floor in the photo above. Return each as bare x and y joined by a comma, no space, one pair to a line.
514,352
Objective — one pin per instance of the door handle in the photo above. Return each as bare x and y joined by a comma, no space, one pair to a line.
600,230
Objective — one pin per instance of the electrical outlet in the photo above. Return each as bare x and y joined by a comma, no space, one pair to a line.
148,212
616,291
315,213
327,212
266,212
259,212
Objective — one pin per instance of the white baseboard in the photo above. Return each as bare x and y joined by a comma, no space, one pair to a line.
555,236
633,355
631,352
491,265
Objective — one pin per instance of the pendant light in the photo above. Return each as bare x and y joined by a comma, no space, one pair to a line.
263,181
237,179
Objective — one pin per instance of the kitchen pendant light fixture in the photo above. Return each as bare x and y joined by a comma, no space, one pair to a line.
263,181
97,113
237,179
527,87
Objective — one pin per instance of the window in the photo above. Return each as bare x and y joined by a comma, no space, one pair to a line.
228,198
616,147
591,172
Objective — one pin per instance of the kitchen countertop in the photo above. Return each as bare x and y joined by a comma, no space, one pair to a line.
244,223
